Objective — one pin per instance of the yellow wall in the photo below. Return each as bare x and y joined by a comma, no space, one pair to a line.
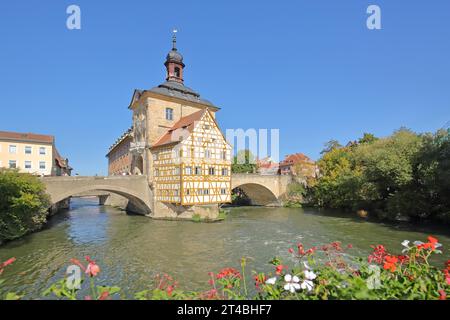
21,157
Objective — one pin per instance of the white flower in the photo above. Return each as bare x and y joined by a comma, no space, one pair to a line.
307,284
417,243
271,280
307,267
406,245
310,275
292,283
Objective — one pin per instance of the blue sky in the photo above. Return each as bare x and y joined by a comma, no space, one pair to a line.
310,68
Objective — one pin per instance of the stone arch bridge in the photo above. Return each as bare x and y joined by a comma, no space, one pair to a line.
262,190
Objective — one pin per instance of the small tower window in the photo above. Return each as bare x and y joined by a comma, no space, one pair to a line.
177,72
169,114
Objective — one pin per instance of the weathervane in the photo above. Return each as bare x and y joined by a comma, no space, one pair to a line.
174,39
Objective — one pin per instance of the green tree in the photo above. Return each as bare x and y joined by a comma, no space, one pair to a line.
244,162
23,204
331,145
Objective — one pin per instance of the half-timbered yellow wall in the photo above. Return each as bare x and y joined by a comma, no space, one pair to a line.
197,170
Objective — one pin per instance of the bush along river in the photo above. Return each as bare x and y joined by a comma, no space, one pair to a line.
132,250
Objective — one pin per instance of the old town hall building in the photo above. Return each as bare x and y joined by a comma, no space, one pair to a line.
176,142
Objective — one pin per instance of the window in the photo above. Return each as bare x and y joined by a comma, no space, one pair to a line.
156,172
198,170
12,149
42,165
223,191
42,151
224,171
205,191
169,114
188,191
188,170
12,164
175,192
27,150
211,171
177,171
177,72
27,164
224,155
155,157
207,154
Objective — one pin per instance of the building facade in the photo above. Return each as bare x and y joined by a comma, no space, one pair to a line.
119,157
32,153
177,143
298,165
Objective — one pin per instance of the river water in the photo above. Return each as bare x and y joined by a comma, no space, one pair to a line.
132,249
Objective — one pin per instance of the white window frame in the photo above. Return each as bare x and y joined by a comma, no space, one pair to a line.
25,164
42,153
30,148
169,114
40,165
12,147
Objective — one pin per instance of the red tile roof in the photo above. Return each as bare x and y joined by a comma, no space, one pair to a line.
186,122
28,137
294,158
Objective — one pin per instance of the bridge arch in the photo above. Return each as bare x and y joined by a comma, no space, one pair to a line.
263,190
136,203
134,188
258,194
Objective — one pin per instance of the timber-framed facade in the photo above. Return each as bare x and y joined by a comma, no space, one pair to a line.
192,163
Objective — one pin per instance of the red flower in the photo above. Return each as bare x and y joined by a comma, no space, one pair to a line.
228,272
8,262
390,263
336,245
92,269
279,269
378,255
104,296
259,279
170,290
291,250
432,240
431,244
350,246
442,295
301,250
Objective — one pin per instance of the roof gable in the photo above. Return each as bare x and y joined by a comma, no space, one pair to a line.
172,136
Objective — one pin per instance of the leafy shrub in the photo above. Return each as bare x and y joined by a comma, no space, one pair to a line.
23,204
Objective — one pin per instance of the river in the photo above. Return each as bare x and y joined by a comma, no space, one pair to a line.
132,249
